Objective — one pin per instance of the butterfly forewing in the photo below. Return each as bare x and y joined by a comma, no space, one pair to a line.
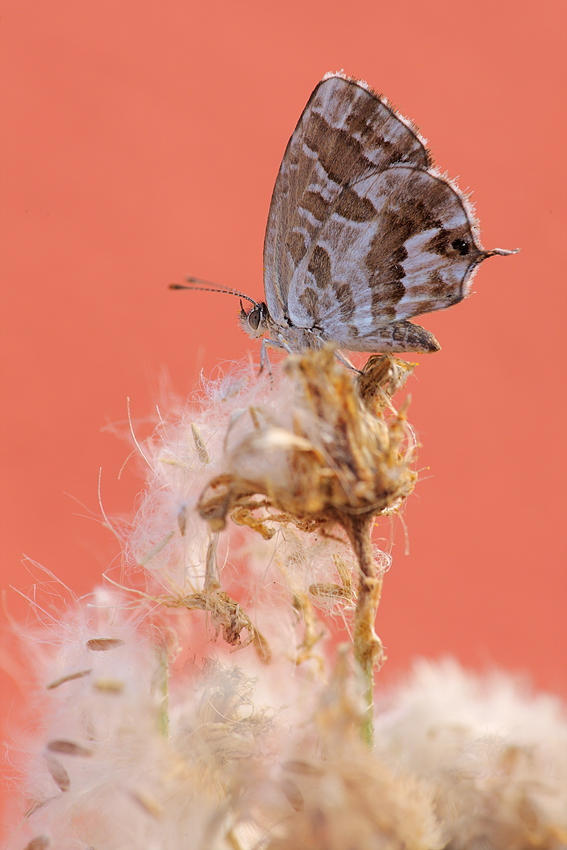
345,136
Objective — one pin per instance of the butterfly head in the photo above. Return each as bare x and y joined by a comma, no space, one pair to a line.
255,322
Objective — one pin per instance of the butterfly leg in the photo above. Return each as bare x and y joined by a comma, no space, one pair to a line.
346,362
264,359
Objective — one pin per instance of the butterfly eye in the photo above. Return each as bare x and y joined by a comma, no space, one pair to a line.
254,318
461,246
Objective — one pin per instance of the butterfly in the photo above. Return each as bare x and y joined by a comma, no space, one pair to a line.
363,232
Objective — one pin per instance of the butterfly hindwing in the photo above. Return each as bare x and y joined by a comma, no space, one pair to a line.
406,247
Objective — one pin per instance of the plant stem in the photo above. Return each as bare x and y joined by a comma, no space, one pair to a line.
163,687
368,650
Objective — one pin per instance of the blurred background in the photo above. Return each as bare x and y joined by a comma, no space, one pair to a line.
140,143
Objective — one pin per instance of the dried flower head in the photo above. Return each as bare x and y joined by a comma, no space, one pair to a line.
328,453
141,743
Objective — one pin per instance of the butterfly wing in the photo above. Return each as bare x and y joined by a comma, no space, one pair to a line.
346,135
406,246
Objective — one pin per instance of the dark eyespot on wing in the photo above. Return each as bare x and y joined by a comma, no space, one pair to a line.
461,245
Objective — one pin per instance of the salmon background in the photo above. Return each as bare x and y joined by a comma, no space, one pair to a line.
141,141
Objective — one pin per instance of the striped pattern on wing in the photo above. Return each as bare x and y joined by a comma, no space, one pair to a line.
405,247
345,137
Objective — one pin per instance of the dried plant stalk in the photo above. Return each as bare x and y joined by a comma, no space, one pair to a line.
146,744
336,454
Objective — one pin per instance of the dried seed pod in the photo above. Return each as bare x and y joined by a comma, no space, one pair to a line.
330,453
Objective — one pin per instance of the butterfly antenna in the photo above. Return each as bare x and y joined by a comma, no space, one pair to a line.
206,286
